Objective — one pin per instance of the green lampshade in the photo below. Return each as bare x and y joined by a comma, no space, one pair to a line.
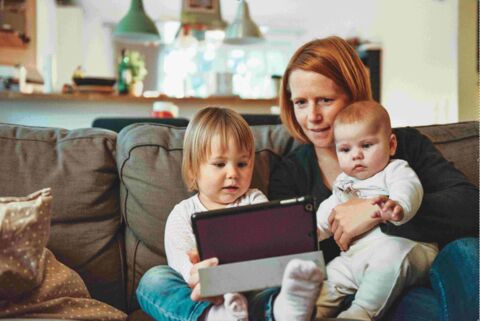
136,26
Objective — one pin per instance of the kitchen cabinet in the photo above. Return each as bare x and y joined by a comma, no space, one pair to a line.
52,44
18,41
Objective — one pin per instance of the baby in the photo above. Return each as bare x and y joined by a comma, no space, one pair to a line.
377,266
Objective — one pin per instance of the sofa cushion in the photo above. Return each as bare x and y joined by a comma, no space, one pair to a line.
458,143
79,166
149,160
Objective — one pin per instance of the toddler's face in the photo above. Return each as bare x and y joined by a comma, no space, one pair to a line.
225,175
363,151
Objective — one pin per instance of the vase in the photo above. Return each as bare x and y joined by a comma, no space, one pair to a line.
136,88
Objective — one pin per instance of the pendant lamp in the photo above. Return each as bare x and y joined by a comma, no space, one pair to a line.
199,16
209,15
136,26
243,30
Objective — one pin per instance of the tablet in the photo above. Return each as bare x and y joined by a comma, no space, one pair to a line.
257,231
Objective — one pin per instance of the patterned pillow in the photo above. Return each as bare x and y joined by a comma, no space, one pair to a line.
33,283
62,295
24,232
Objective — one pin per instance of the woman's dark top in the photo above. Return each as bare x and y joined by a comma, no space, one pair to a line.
449,208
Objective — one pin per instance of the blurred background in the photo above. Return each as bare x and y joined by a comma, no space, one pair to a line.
422,55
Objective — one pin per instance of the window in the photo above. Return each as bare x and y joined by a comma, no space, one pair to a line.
184,66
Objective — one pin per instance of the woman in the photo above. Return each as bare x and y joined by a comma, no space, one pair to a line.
322,78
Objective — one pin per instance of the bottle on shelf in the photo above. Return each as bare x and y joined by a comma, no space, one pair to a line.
124,74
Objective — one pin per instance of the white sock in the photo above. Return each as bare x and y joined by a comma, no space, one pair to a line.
236,304
234,308
300,287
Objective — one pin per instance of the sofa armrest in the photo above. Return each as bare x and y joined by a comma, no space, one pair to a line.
454,279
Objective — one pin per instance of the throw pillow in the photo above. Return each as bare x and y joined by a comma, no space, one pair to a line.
24,232
62,295
33,283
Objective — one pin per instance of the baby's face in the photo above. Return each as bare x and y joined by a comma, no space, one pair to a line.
363,150
225,175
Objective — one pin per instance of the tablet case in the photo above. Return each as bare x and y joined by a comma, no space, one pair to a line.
258,231
251,275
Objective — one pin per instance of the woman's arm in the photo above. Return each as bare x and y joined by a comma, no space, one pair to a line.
450,204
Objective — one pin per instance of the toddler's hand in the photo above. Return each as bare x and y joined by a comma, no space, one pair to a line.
389,209
194,280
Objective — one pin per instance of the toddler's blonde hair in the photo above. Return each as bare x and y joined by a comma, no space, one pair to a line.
205,125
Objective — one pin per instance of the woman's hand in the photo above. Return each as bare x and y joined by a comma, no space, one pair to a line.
352,219
194,280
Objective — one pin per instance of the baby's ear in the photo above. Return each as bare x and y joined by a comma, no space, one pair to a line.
392,144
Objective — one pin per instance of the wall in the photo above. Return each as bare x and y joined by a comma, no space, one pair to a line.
46,32
468,55
420,76
69,39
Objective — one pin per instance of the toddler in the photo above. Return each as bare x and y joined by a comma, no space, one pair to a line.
377,267
218,160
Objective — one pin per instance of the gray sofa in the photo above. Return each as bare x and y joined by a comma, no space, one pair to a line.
112,193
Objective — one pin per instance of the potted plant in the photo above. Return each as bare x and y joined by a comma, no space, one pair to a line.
137,67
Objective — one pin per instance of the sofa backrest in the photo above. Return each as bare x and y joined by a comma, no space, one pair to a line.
149,159
83,167
79,166
458,143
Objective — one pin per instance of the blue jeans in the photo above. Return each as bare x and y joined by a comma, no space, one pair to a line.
165,296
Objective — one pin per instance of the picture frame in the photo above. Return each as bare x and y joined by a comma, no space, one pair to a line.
201,6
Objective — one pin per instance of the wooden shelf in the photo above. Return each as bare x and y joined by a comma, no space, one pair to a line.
131,99
11,39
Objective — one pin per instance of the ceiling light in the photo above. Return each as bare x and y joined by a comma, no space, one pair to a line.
243,30
136,26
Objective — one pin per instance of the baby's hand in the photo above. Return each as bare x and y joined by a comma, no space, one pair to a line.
389,209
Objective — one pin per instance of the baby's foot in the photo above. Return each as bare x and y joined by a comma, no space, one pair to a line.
236,305
234,308
300,287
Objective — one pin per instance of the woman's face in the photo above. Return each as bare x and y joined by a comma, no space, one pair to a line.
316,101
